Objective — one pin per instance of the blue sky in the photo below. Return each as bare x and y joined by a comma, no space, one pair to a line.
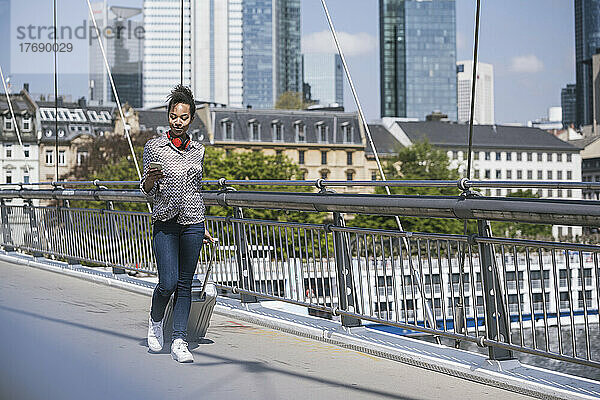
530,43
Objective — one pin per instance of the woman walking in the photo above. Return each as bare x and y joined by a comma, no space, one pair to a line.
173,166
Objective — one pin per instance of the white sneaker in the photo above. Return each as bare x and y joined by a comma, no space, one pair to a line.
155,335
180,352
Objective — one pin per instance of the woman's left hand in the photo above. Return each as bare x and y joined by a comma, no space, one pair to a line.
208,238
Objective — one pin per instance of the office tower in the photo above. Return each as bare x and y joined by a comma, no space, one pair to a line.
210,55
587,43
271,50
417,42
324,74
568,102
123,41
484,92
162,25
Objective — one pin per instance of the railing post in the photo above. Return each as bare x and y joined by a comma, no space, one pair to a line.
6,231
498,324
35,242
343,268
245,270
112,223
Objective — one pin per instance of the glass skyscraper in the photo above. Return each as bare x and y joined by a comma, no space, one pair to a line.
568,103
418,58
323,72
124,51
587,43
271,50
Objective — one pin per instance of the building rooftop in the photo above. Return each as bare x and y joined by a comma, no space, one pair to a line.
445,134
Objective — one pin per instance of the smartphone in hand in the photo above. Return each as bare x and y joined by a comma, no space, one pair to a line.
156,165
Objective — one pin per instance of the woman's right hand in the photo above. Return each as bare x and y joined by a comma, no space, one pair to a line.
154,174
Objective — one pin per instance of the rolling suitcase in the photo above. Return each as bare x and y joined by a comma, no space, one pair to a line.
204,297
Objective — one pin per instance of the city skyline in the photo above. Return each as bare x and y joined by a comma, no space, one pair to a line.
533,59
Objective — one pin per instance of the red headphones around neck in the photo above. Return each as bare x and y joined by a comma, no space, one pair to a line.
177,142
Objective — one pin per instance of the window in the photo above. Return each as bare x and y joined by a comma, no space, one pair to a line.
8,176
540,156
559,193
475,155
559,175
519,174
26,150
498,192
301,156
498,174
508,156
569,157
455,155
488,174
349,158
26,124
550,193
8,123
227,129
569,175
26,178
488,155
277,131
476,174
300,130
549,157
8,150
254,130
529,156
61,158
540,175
508,174
49,157
322,132
81,157
549,175
350,175
569,193
560,157
519,156
529,174
347,132
324,174
373,175
324,157
498,156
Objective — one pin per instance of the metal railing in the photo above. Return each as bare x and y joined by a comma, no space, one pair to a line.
358,274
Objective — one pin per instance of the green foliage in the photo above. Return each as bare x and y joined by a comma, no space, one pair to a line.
522,230
255,165
417,162
291,101
217,164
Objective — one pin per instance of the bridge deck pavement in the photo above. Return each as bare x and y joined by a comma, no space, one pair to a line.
65,338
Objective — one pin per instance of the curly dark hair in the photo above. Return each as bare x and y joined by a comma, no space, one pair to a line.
181,94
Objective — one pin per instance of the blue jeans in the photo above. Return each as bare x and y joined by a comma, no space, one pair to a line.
176,248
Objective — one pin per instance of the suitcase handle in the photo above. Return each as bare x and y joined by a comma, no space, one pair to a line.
210,264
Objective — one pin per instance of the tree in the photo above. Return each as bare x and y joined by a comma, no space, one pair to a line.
417,162
521,229
291,101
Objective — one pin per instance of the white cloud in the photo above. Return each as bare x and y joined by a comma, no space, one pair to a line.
526,64
353,44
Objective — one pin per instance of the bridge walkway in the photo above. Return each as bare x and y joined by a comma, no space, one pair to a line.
65,338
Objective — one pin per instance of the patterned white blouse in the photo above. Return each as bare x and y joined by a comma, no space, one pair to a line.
179,192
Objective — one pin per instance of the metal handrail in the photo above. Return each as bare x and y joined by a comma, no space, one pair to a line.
532,210
461,184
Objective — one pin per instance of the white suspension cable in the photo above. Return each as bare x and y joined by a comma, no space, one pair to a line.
357,101
12,113
114,90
